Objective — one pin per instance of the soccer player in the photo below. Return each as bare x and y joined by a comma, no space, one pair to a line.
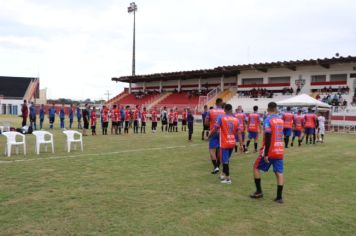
127,119
190,120
164,119
105,119
154,120
143,120
42,115
175,120
122,114
272,153
210,120
170,120
205,126
298,122
79,116
228,125
86,117
24,111
311,122
51,116
184,119
287,118
321,127
115,114
136,114
62,116
241,116
71,115
254,126
33,116
93,121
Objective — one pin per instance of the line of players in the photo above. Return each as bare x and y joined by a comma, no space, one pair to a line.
226,129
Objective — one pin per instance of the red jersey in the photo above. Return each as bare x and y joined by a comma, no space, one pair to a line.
229,125
288,120
93,118
184,115
274,125
213,115
242,119
175,116
127,115
144,116
253,122
135,114
310,120
171,118
298,122
154,116
115,115
105,114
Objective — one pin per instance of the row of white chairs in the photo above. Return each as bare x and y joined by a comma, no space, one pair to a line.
42,137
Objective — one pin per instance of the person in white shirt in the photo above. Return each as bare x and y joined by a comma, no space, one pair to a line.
321,128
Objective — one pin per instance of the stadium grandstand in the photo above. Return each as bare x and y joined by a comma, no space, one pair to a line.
331,80
14,90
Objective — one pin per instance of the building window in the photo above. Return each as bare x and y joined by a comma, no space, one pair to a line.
279,80
250,81
338,77
318,78
353,75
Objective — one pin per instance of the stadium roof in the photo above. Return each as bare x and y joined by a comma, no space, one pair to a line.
14,87
233,70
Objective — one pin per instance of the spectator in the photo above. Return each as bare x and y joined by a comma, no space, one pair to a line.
24,111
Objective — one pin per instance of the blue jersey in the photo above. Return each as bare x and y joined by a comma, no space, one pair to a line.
71,113
42,113
190,118
204,115
32,111
52,112
79,113
61,113
122,114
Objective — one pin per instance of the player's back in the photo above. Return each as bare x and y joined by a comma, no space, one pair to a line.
310,120
213,115
288,120
228,129
275,125
253,122
241,117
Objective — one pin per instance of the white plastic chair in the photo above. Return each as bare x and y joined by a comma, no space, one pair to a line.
2,129
41,139
71,139
11,141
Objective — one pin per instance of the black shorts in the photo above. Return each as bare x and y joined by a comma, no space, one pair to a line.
206,128
154,125
33,119
164,122
135,123
143,124
51,120
114,123
105,125
86,124
175,123
184,122
126,124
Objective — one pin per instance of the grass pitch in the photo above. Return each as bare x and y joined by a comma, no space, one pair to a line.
160,184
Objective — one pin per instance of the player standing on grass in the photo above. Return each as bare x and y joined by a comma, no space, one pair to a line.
311,122
241,116
115,116
164,119
135,118
228,125
298,122
190,120
51,116
205,126
105,119
184,119
79,117
287,118
127,119
175,120
154,119
33,116
254,126
321,127
86,116
170,120
93,121
272,153
210,120
42,115
71,115
143,120
62,116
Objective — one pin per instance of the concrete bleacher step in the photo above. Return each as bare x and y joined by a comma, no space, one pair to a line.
158,100
117,99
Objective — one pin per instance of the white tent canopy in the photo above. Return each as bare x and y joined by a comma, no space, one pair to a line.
303,100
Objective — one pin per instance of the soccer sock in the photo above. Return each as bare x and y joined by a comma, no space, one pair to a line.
226,170
287,141
258,185
218,163
279,191
322,137
300,142
314,138
202,135
248,143
190,136
235,148
244,148
214,163
256,147
207,133
306,139
162,128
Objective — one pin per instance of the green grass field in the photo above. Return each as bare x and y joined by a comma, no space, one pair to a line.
160,184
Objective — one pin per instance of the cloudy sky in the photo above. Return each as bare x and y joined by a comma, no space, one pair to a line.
77,46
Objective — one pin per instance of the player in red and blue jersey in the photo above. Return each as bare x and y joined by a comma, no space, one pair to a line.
175,120
205,125
93,121
136,114
254,126
242,125
287,117
228,125
272,153
105,118
210,120
298,122
310,124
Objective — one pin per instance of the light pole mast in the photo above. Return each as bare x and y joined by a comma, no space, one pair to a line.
130,9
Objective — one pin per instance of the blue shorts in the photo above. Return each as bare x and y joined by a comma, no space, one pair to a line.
309,131
297,133
287,131
214,141
252,135
243,137
225,155
276,163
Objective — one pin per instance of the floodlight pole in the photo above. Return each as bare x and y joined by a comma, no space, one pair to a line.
133,8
